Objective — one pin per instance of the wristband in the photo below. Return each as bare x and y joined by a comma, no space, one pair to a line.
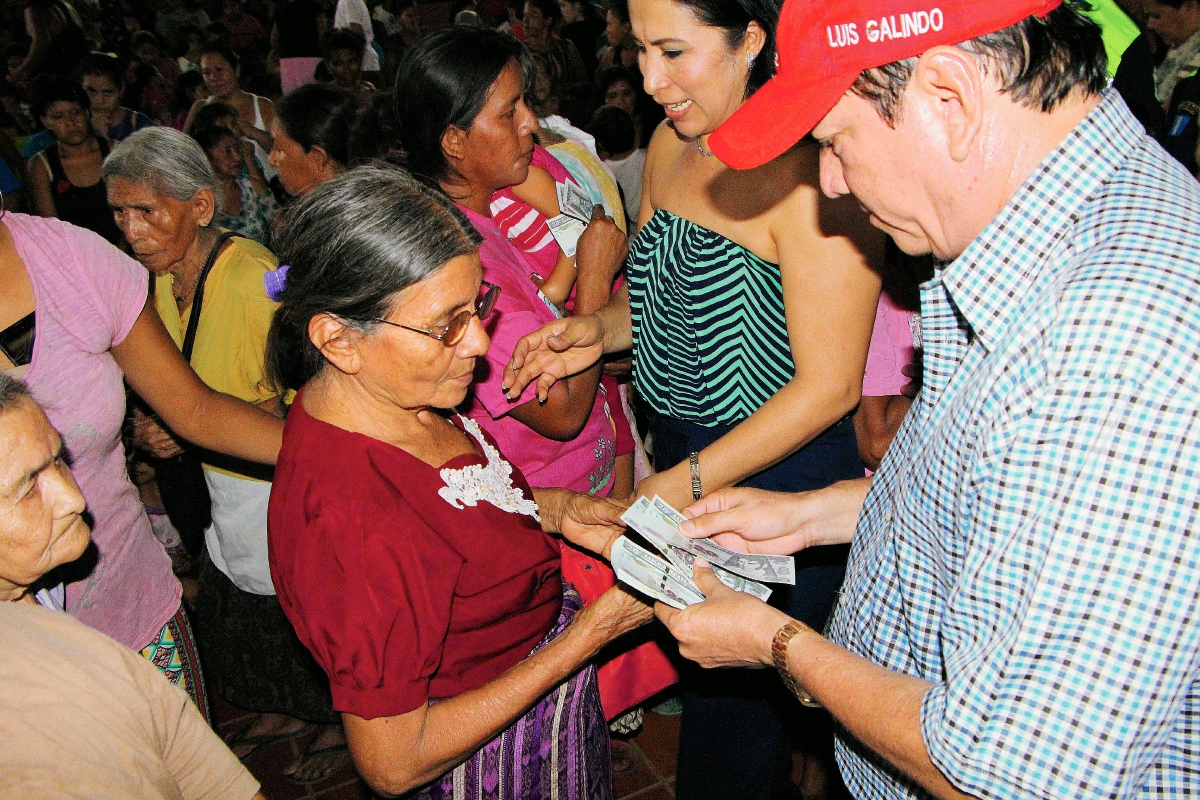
779,646
697,489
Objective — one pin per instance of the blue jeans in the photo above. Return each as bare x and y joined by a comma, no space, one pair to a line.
736,731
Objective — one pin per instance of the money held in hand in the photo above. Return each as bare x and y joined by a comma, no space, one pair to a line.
684,560
640,569
657,521
756,567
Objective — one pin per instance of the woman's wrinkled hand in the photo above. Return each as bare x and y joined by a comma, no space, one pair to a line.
555,351
616,612
592,523
148,434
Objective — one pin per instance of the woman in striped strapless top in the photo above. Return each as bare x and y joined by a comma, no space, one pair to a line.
749,309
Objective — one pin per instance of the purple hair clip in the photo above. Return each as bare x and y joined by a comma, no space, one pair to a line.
276,281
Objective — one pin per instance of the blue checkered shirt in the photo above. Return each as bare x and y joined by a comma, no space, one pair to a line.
1029,544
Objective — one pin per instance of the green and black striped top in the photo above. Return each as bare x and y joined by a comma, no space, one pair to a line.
710,340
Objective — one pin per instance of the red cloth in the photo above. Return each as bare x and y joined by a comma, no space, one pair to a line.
400,596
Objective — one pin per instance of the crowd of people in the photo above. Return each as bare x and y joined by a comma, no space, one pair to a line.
336,337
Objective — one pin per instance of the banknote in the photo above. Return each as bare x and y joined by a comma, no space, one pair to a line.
684,560
658,530
662,520
755,566
645,572
773,569
574,202
566,230
667,511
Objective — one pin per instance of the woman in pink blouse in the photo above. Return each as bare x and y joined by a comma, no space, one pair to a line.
80,307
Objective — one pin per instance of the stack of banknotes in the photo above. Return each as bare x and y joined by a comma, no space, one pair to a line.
670,580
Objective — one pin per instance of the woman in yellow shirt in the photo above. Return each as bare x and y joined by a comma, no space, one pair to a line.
164,195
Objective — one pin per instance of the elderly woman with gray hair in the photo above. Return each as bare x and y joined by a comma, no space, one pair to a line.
75,323
210,294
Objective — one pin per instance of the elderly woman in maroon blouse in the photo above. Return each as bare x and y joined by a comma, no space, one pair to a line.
413,560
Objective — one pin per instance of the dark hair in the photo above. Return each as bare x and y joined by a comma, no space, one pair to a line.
49,89
101,64
319,116
374,134
144,37
550,10
345,39
351,244
587,9
12,392
610,75
1173,3
220,49
444,80
618,7
207,115
185,32
185,84
613,129
1040,61
733,17
208,137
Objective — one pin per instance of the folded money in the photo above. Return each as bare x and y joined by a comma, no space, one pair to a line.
659,522
658,529
573,202
640,569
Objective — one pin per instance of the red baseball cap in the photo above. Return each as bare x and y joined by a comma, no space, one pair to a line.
823,46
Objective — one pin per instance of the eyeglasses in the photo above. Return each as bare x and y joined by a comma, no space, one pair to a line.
454,332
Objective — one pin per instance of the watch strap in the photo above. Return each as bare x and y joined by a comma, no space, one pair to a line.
779,648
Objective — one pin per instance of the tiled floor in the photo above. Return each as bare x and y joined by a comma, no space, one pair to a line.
652,779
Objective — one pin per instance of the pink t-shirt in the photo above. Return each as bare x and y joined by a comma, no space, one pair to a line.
87,296
585,463
891,349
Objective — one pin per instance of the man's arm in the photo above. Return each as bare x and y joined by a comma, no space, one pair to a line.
880,708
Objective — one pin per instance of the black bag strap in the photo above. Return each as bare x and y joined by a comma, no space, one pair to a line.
189,338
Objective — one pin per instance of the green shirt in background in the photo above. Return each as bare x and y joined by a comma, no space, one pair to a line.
1117,29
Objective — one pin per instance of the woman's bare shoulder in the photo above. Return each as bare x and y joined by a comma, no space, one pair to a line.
665,146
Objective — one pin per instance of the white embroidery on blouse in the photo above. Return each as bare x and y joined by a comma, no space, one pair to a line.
491,481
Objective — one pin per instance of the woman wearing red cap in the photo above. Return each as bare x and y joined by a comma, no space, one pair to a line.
749,309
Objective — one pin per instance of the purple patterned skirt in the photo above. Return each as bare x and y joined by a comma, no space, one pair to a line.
559,749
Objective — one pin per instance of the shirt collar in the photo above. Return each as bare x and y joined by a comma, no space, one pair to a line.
987,282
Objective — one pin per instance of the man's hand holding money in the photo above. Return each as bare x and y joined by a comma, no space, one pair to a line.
728,629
